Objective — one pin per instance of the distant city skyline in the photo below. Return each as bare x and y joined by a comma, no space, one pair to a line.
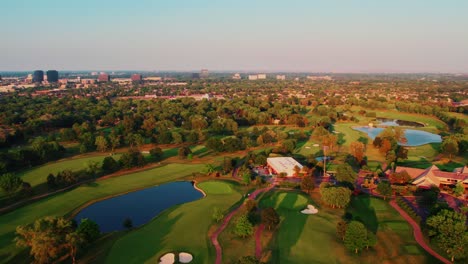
227,36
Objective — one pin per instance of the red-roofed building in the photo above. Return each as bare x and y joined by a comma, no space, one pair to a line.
433,176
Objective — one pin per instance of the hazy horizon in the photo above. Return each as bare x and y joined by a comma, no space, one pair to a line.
246,36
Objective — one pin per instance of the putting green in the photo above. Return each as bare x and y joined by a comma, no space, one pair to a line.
182,228
215,187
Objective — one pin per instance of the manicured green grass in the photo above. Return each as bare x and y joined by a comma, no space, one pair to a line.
183,228
216,187
450,166
285,200
63,203
38,175
312,238
396,226
306,149
412,249
373,165
350,135
427,151
427,120
300,238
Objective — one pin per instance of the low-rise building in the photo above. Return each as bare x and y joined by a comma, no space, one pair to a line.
253,77
320,78
433,176
152,79
286,165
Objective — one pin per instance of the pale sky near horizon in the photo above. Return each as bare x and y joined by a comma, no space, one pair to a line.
247,35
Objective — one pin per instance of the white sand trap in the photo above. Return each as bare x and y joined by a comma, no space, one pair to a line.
315,145
310,210
185,257
169,258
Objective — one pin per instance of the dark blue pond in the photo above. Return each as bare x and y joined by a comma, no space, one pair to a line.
414,137
140,206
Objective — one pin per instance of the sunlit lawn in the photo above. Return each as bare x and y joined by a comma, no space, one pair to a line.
38,175
312,239
182,228
63,203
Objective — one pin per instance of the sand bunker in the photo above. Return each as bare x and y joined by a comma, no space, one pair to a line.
185,257
310,210
169,258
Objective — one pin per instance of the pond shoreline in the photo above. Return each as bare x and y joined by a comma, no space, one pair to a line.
71,215
412,139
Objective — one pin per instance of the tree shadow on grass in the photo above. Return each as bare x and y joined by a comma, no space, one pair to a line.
21,258
91,184
362,210
200,151
170,153
436,146
300,144
289,230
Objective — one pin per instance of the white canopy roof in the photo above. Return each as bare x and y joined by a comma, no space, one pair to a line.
283,164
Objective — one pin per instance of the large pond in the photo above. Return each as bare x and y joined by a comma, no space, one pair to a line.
414,137
397,122
140,206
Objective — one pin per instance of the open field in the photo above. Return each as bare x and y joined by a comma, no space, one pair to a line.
64,203
38,175
182,228
428,121
305,239
307,148
350,135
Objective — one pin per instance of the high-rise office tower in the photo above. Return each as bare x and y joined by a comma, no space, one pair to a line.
38,76
52,76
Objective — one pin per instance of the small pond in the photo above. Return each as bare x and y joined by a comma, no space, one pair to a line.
397,122
140,206
414,137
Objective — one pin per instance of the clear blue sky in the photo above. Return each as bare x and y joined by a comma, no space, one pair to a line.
293,35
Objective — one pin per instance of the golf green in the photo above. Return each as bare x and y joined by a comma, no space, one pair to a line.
182,228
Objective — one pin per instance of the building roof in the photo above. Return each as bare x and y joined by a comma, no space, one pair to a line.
283,164
434,176
427,178
412,172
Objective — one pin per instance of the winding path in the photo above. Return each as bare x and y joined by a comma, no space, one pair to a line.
214,236
417,233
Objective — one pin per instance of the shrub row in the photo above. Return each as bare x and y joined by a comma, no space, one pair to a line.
409,210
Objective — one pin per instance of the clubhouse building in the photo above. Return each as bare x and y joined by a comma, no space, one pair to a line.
286,165
433,176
